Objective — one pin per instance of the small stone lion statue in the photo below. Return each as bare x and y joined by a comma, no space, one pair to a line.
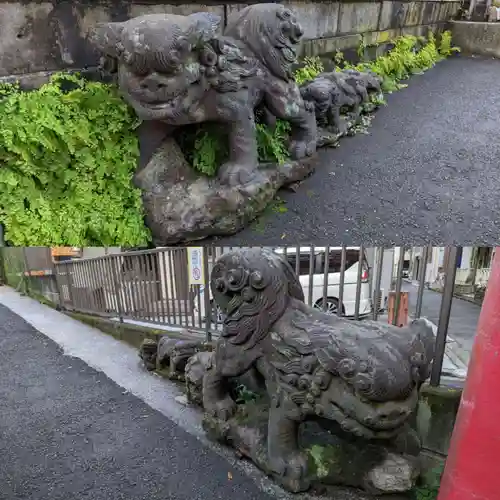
363,375
180,70
336,91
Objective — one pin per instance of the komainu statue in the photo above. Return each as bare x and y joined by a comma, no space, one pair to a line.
337,396
337,91
179,71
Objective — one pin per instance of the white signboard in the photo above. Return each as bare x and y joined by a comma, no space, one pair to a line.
195,266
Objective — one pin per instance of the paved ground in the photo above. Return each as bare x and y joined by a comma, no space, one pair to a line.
67,431
428,171
463,318
80,419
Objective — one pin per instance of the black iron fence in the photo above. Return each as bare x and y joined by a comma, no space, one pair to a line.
170,286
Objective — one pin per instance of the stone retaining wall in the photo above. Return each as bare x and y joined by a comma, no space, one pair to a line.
37,37
479,38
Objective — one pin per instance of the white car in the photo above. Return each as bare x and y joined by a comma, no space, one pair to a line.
311,271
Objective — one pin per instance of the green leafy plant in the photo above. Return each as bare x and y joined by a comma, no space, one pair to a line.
410,55
430,488
68,151
209,149
310,69
245,395
445,47
271,144
67,155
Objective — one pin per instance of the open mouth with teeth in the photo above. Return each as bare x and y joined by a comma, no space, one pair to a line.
365,418
158,107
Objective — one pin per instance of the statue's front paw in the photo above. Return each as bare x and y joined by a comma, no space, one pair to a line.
302,149
223,409
234,174
292,466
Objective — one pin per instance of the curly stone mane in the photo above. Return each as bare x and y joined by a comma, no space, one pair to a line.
253,292
160,42
271,32
167,43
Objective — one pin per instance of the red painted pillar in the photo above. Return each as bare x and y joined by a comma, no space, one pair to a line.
472,470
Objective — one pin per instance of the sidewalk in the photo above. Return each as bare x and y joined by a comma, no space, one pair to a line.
463,318
81,419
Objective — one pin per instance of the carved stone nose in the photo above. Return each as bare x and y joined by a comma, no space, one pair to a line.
152,84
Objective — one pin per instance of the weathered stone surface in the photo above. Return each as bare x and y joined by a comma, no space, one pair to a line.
414,13
179,70
324,46
331,399
422,30
332,92
50,35
181,205
319,19
436,416
381,38
137,10
393,14
477,37
315,366
332,459
25,42
358,17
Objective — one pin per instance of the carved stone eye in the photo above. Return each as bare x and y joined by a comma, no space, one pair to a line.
257,280
220,285
236,279
285,14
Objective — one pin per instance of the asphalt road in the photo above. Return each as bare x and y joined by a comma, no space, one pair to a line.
428,172
464,315
69,432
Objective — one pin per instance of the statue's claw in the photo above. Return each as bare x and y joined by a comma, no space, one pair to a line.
233,174
292,468
302,149
222,409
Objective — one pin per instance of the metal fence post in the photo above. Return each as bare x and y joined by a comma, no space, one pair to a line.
117,287
69,281
379,260
326,262
206,297
311,278
25,280
444,316
358,281
343,258
421,280
3,279
399,281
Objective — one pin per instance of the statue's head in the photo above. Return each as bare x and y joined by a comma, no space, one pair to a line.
272,32
252,287
160,57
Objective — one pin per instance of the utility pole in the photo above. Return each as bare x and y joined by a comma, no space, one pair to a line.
472,468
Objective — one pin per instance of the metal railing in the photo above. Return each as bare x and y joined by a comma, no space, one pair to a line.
156,286
29,270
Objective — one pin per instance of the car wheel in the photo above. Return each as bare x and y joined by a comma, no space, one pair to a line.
332,305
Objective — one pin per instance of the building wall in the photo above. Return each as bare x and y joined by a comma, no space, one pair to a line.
37,37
